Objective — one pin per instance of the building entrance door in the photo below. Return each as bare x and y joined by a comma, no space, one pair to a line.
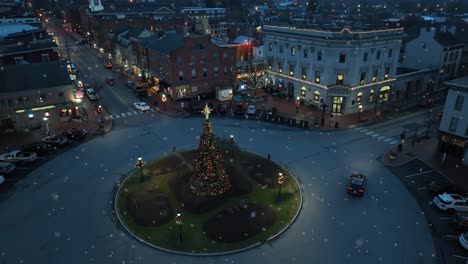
337,106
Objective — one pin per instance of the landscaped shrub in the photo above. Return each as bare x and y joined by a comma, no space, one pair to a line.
149,207
234,224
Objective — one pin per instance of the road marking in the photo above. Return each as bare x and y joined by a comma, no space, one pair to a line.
422,188
135,112
375,135
451,236
462,257
152,110
116,116
445,218
364,130
122,114
381,137
419,173
394,142
357,128
387,140
129,113
370,133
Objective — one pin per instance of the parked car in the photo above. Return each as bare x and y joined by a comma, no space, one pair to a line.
75,133
435,188
251,110
72,68
139,90
38,147
108,65
130,84
142,106
6,167
463,239
357,184
459,221
451,202
92,95
222,108
2,179
425,102
18,156
110,80
239,109
55,140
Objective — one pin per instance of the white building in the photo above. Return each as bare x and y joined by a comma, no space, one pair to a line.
453,130
346,70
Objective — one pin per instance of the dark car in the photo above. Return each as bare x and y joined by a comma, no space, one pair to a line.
108,65
82,42
55,140
75,133
357,184
222,108
110,81
239,109
435,188
38,148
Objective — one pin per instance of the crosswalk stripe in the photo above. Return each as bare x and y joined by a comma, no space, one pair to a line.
107,117
375,135
122,114
135,112
394,142
357,128
152,110
381,137
387,140
364,130
116,116
129,113
370,133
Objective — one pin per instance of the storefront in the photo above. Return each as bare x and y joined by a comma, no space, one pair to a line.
453,145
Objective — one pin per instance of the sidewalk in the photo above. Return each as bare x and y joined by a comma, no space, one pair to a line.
426,150
17,139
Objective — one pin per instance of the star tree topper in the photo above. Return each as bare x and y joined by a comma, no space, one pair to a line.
206,111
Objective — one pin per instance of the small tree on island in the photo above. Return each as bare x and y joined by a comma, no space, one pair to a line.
209,176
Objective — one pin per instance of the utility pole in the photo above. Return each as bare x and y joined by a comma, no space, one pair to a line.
66,46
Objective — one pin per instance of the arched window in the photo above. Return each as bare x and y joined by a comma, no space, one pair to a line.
303,92
359,98
384,94
316,97
371,95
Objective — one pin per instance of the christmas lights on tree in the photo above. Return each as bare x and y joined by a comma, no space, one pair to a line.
209,177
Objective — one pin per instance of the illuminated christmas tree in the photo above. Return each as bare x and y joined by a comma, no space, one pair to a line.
209,177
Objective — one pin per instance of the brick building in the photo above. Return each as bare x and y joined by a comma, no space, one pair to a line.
187,66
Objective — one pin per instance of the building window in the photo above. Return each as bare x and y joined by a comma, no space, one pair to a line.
387,73
19,60
304,73
42,98
45,57
303,92
204,59
192,60
180,61
215,71
291,70
384,94
445,57
378,54
61,95
359,98
181,76
9,103
453,124
362,80
319,55
459,102
280,49
205,72
376,74
371,95
317,76
342,58
270,47
365,56
293,51
305,52
194,74
316,97
280,67
339,78
390,52
216,56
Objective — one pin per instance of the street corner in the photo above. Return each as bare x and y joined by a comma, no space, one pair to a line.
395,156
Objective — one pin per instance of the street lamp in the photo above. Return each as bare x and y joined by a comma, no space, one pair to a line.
164,99
179,222
298,102
99,110
232,140
140,164
126,71
359,113
281,179
324,108
230,98
46,119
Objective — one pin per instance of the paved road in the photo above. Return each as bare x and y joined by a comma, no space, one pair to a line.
62,212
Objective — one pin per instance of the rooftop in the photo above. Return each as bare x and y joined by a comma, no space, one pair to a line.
7,29
34,76
459,83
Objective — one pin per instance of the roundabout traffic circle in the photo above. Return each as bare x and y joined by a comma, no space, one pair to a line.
216,199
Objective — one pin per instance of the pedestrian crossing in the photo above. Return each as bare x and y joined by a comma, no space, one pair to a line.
127,114
376,136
